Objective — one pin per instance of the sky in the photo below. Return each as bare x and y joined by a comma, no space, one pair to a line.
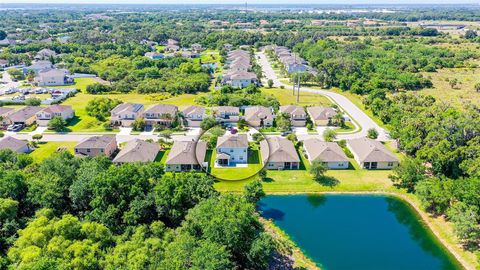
332,2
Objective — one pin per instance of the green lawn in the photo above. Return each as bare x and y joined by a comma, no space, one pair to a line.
46,149
285,97
254,166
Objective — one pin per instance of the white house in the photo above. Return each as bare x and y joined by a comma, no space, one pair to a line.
47,114
232,149
52,77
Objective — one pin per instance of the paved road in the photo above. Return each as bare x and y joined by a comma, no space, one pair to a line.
354,112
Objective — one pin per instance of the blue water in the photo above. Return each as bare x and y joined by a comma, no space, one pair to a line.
358,232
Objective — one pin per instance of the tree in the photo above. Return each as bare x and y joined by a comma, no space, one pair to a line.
242,123
33,101
317,169
139,124
176,194
408,173
292,137
477,87
470,34
98,88
258,137
372,133
466,220
9,223
338,120
3,35
2,134
270,83
253,191
57,123
100,107
208,122
329,135
16,74
283,121
37,137
165,134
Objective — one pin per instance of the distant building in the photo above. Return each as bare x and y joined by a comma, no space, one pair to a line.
3,63
53,77
96,146
45,54
125,114
4,112
137,151
186,156
44,116
259,116
371,154
279,153
196,47
154,55
329,153
38,66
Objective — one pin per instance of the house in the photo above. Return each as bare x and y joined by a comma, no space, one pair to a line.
241,79
4,112
279,153
172,42
232,149
96,146
154,55
196,47
3,63
371,154
189,54
137,151
226,114
321,115
125,114
227,46
52,77
7,42
38,66
25,116
15,145
47,114
193,115
186,156
330,153
172,48
160,114
259,116
45,54
298,116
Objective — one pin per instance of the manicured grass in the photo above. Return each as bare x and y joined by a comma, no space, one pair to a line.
254,166
162,156
210,56
462,94
285,97
46,149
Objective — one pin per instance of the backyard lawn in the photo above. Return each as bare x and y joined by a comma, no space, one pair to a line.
46,149
254,166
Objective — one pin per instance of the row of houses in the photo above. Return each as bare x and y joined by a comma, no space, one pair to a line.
29,115
291,61
172,49
237,71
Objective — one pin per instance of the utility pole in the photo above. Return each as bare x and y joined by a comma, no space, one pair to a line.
298,90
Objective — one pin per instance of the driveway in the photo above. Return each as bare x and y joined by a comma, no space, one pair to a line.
361,118
39,130
125,131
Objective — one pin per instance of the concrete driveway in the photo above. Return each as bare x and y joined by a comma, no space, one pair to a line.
361,118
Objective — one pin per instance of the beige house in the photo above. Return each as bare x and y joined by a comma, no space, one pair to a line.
298,116
96,146
186,156
45,54
321,115
137,151
371,154
125,114
330,153
47,114
24,116
4,112
226,114
160,114
279,153
14,144
193,115
259,116
52,77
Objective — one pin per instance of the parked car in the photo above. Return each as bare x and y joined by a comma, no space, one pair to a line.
285,133
15,127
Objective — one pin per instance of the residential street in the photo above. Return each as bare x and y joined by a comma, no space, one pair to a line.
354,112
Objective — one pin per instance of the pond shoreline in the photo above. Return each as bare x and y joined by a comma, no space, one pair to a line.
426,218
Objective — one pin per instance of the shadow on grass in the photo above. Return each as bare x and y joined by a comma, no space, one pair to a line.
327,181
268,180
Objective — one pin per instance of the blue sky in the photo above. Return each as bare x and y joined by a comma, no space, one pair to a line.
250,1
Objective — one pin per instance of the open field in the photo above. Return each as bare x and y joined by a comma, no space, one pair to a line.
285,97
45,150
461,94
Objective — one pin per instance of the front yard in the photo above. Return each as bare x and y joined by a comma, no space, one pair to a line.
46,149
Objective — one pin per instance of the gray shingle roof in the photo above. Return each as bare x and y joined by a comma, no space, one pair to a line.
96,142
324,151
278,149
137,151
13,144
127,107
232,141
368,150
321,113
24,113
257,113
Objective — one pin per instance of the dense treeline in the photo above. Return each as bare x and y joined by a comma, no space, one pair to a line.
443,164
364,66
84,213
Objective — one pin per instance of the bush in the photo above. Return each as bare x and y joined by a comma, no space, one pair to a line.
100,107
372,133
33,102
98,88
329,135
57,123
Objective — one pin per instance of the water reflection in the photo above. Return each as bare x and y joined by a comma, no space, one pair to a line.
316,200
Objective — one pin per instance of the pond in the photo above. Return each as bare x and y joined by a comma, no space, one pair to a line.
358,232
